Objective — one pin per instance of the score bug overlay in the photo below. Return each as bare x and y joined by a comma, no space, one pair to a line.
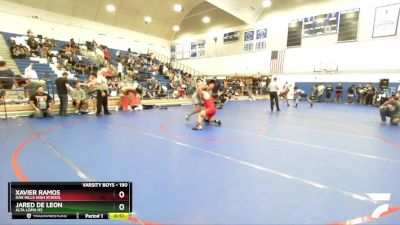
70,200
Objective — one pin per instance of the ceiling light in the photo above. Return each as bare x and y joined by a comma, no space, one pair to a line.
206,19
148,19
176,28
178,7
110,8
266,3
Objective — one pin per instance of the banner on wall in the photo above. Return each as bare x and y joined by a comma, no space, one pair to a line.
173,52
386,20
248,41
231,37
321,24
198,49
255,40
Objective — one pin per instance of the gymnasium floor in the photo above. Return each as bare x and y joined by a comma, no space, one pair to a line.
298,166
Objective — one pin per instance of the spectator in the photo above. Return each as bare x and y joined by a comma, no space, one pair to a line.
161,69
30,73
72,43
40,101
120,69
150,92
339,92
19,51
93,86
62,91
359,92
314,91
370,92
391,109
350,93
33,45
329,91
106,54
29,33
321,92
6,79
79,99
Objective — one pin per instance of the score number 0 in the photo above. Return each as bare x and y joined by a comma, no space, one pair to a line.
121,195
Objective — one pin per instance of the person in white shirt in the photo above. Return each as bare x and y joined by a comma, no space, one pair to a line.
321,92
120,69
30,73
273,94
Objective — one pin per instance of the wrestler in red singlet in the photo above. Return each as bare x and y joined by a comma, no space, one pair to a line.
209,107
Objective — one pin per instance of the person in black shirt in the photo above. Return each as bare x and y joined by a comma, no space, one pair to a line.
329,91
359,91
339,91
350,94
62,91
7,81
40,101
370,93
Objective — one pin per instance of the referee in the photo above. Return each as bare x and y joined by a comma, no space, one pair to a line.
273,94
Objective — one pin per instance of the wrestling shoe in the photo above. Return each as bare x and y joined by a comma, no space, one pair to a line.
197,128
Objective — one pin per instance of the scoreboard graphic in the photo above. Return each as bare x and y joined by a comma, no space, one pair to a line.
321,24
70,200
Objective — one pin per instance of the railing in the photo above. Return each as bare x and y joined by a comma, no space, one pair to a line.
175,64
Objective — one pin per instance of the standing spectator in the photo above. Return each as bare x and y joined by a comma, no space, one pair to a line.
120,69
350,94
321,92
329,91
314,91
106,54
339,92
370,92
40,101
62,91
79,99
273,94
161,69
359,91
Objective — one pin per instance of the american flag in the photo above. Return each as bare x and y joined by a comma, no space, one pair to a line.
277,61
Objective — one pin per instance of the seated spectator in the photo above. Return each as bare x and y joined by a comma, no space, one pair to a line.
105,71
391,109
33,45
30,73
79,99
80,67
19,51
160,91
6,79
42,103
181,88
150,92
29,33
72,43
161,69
